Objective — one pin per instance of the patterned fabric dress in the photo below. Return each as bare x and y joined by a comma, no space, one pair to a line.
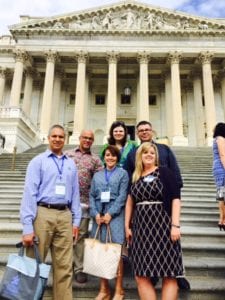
153,254
218,169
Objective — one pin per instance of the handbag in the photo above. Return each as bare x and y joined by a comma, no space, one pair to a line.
101,259
24,277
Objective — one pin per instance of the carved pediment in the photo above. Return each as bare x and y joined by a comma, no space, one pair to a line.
129,16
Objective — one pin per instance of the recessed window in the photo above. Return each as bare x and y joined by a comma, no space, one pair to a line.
99,99
72,99
21,97
203,101
152,100
125,99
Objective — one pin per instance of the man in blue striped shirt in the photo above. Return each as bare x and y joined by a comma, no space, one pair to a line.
51,211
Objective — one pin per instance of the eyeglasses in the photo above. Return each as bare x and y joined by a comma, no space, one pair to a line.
87,138
144,130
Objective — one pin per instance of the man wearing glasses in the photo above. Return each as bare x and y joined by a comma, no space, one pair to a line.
166,156
87,164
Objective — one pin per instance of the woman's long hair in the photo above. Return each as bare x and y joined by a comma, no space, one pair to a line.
139,167
219,130
111,140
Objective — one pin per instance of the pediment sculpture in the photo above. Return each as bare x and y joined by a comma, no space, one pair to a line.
125,18
132,19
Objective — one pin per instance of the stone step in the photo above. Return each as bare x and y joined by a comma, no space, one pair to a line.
205,250
214,289
190,221
8,185
209,194
195,265
197,202
202,287
201,235
190,249
202,213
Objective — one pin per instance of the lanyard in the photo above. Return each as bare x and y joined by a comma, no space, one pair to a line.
108,175
60,169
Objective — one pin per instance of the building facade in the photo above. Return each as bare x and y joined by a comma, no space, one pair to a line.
127,61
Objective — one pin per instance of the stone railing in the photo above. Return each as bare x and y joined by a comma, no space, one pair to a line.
17,112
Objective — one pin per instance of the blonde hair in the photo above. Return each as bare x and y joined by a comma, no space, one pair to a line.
138,161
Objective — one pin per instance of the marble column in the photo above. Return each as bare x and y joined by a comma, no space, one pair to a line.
210,110
80,115
59,74
46,109
20,58
27,100
111,113
222,82
198,108
143,101
3,73
177,138
168,103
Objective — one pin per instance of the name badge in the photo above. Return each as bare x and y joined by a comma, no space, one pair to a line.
60,189
149,178
105,197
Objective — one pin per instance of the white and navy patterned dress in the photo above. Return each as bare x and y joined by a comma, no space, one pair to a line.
153,254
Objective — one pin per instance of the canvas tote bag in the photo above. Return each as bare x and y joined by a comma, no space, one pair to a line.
101,259
24,277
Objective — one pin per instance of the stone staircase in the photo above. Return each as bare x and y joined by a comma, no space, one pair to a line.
202,242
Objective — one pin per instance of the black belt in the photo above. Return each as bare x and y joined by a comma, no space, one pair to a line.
53,206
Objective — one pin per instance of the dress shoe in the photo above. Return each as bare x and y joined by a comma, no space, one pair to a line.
81,277
221,226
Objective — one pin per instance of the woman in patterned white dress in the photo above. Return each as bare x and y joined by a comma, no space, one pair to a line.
152,225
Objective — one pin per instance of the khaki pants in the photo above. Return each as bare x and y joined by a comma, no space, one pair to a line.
79,247
54,230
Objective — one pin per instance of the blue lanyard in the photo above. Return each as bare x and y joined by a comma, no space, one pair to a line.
108,175
60,169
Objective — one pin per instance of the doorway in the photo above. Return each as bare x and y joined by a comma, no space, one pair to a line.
130,132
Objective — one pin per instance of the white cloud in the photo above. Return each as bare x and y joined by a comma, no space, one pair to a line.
10,10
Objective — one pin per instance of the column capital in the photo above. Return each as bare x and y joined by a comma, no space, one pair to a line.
165,73
51,56
21,55
30,72
174,57
205,57
143,57
60,73
3,72
112,57
81,56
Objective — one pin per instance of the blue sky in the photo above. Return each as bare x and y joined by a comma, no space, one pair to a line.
10,10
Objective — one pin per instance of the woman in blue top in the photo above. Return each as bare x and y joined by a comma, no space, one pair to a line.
107,202
118,137
219,169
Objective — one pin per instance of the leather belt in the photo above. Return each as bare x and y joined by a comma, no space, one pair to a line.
53,206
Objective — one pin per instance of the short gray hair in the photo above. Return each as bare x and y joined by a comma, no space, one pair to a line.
56,126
